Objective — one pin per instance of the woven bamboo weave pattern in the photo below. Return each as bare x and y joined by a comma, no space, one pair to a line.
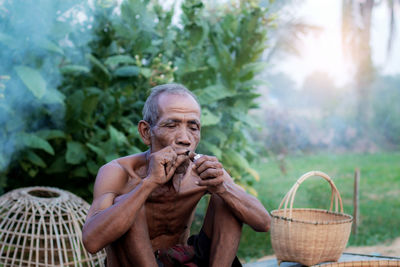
41,226
377,263
309,236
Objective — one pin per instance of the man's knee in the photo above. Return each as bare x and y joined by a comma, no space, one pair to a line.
220,218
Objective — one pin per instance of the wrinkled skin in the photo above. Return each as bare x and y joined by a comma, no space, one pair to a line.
145,202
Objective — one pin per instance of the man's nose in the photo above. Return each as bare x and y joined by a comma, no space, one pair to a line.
182,138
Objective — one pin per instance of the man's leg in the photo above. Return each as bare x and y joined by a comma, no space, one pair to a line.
134,248
224,230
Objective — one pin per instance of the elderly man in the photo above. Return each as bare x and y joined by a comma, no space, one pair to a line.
144,204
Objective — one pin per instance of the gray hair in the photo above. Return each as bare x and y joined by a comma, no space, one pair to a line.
150,111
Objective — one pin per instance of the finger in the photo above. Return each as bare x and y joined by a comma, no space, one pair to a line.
168,160
204,158
179,160
192,155
211,182
169,156
168,166
211,173
209,165
166,150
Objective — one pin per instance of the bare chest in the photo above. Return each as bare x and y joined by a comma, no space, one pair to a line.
169,212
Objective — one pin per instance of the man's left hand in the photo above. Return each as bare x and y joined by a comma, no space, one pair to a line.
212,173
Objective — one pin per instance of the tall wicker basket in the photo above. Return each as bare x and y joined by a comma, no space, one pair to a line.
309,236
41,226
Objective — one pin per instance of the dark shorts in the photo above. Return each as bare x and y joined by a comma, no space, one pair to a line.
202,247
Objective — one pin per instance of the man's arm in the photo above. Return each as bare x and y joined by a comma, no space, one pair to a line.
246,208
110,215
108,219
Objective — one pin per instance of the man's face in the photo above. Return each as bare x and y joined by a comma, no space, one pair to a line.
178,124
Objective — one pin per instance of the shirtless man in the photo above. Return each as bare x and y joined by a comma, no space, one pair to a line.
145,203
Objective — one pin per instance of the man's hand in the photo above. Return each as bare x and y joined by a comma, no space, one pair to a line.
212,173
163,163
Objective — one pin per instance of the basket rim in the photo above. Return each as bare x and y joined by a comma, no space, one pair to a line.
367,263
348,217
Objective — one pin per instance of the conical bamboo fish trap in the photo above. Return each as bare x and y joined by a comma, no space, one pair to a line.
41,226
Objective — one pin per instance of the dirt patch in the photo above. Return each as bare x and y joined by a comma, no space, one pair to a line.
392,249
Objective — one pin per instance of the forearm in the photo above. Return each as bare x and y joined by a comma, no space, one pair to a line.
110,224
246,208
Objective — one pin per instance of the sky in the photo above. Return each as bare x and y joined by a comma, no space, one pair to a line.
323,52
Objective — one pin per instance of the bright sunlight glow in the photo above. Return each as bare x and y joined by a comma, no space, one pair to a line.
323,53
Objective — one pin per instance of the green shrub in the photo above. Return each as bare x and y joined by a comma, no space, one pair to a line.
214,52
31,107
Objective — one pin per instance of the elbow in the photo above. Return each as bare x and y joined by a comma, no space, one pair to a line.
267,222
89,243
264,223
267,225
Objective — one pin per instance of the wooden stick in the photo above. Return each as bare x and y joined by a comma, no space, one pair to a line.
356,198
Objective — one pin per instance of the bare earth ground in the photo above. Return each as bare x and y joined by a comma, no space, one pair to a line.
392,250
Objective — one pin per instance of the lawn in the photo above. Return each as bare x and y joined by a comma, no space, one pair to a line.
379,194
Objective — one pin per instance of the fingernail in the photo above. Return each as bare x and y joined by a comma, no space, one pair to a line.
197,182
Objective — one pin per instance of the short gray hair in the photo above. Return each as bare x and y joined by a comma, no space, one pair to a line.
150,111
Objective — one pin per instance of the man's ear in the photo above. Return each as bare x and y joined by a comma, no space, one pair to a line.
144,131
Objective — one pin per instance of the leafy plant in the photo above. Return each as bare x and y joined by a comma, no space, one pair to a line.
30,103
214,52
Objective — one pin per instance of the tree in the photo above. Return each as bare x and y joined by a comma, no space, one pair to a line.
356,35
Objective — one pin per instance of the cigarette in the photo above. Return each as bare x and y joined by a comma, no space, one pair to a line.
197,157
192,155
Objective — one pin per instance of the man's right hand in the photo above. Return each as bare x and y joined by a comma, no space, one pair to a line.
163,163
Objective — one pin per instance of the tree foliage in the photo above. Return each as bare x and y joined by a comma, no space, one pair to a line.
31,107
92,117
386,111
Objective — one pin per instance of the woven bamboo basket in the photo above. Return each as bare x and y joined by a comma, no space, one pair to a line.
41,226
375,263
309,236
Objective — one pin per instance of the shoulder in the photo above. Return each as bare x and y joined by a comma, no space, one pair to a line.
114,176
132,161
110,179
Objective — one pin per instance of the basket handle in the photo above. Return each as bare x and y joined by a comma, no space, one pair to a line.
292,192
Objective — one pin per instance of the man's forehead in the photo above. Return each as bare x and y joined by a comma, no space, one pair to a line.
184,103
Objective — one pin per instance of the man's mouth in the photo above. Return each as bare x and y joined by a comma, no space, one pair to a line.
182,151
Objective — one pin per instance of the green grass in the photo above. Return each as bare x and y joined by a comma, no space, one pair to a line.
379,194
